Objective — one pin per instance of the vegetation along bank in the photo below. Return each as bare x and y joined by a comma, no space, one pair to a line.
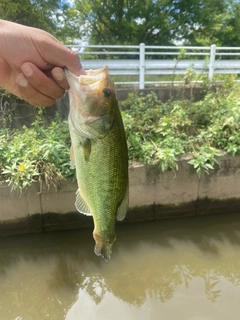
157,133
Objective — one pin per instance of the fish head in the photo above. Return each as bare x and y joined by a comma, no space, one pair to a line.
92,101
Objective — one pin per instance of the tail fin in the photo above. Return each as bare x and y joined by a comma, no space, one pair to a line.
103,248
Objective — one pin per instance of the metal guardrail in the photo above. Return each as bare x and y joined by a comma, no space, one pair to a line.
205,60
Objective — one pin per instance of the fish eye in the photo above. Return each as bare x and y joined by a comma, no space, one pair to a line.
106,93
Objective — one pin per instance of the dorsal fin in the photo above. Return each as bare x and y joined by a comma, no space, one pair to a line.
81,205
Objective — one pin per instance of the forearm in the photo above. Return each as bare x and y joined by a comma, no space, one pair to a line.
3,27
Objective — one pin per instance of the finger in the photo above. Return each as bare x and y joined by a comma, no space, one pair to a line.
74,64
60,78
41,82
30,94
72,61
61,56
82,72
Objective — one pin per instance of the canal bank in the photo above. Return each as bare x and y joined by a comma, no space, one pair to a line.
153,195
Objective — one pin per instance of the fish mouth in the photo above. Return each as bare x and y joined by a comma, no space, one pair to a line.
92,78
90,109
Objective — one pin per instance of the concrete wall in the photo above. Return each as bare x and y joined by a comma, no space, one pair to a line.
153,195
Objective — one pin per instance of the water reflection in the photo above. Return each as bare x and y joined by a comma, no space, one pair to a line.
154,266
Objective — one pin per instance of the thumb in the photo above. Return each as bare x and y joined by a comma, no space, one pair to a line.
58,55
73,62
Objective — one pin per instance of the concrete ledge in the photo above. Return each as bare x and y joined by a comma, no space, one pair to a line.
153,195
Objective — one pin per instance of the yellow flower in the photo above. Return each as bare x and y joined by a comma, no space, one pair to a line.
21,166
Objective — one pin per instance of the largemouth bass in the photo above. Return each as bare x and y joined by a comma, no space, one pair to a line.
99,153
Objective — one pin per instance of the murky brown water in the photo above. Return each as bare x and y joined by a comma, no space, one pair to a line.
172,269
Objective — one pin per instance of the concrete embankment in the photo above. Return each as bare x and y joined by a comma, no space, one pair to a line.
153,195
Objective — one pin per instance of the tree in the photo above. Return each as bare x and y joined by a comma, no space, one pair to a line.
54,16
68,26
228,34
197,21
154,22
31,13
125,21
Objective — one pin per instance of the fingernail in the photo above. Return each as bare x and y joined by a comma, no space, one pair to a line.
27,70
58,75
22,81
82,72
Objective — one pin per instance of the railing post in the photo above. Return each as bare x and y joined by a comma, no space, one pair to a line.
211,62
141,65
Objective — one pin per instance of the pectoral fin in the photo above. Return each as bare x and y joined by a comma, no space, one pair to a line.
72,156
100,127
81,205
86,145
122,209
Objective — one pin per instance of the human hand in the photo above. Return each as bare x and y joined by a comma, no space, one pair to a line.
31,63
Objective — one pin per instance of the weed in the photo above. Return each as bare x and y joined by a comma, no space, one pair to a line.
162,133
156,133
39,153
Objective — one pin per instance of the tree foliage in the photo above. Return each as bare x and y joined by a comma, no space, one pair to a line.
125,22
196,21
154,22
158,22
54,16
36,13
228,33
68,26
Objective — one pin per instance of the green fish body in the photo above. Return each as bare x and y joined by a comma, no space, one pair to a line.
99,153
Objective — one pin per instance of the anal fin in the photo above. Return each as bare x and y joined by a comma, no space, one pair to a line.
81,205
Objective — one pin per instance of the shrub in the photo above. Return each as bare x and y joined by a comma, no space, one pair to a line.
39,153
163,132
156,133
